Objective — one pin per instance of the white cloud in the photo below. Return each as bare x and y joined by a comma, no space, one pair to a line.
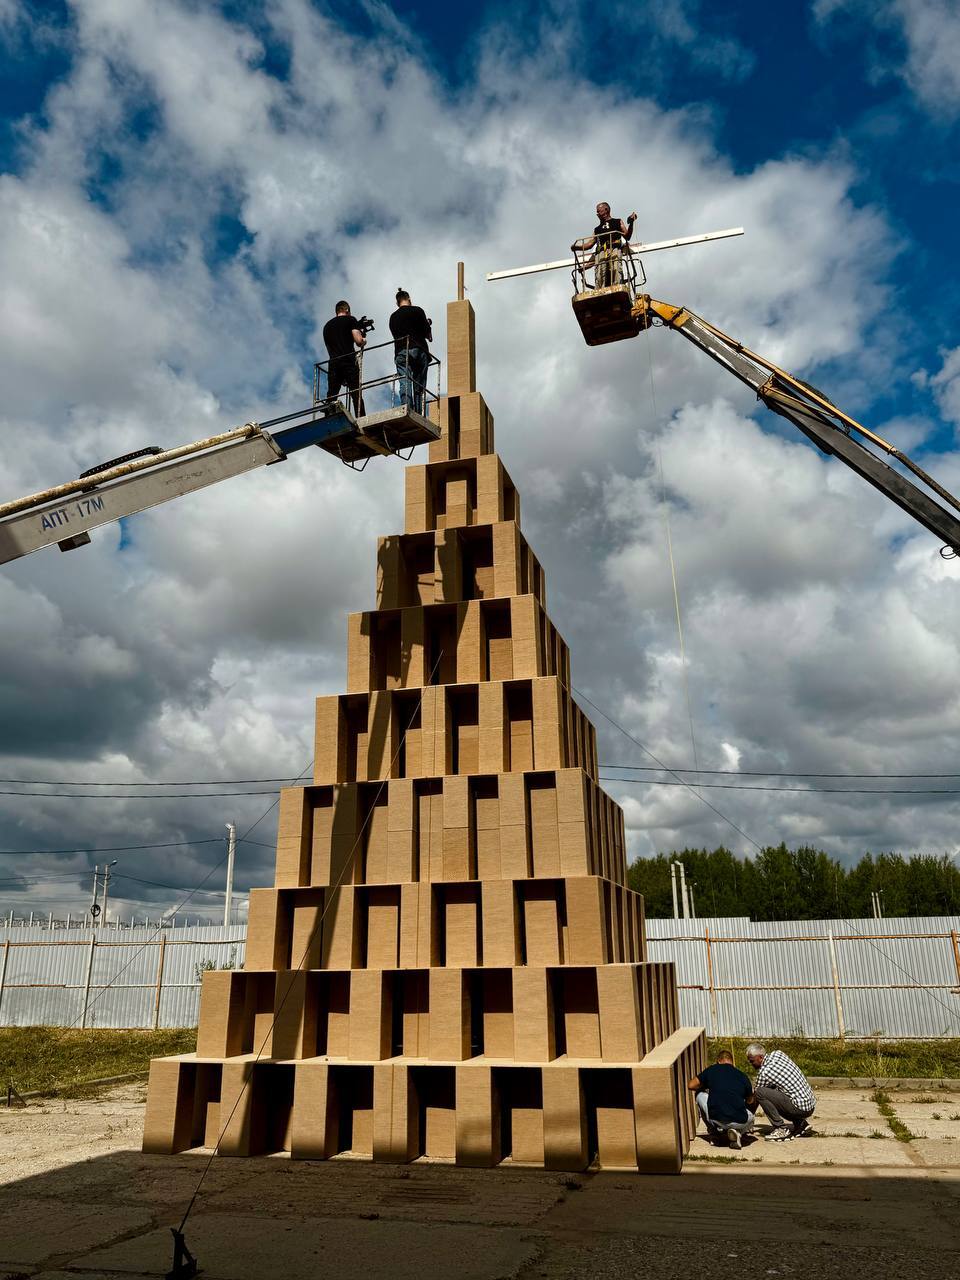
930,34
821,627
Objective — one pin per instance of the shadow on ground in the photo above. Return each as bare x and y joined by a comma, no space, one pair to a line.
110,1216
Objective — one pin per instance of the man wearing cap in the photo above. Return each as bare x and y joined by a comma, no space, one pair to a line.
725,1097
783,1091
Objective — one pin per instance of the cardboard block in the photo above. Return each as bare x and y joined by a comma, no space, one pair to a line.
311,1124
513,800
449,560
514,852
238,1136
544,831
621,1028
506,558
430,832
373,866
341,941
616,1138
359,655
402,805
293,838
330,746
501,923
420,933
438,412
496,997
492,753
220,1030
412,671
414,996
456,801
526,1127
439,1132
488,855
461,907
370,1015
574,842
391,574
581,1018
459,508
470,650
490,489
268,931
168,1124
564,1119
498,640
585,921
658,1132
476,426
291,1020
534,1028
383,927
571,795
306,934
449,1015
525,632
334,1012
459,860
380,735
417,499
461,349
541,922
478,1122
401,856
468,748
394,1115
548,752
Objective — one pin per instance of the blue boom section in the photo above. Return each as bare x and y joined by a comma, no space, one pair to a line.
317,431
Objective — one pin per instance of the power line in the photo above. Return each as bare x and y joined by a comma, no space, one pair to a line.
121,795
117,848
646,750
830,791
767,773
118,782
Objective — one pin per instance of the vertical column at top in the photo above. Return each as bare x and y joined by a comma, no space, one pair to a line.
461,349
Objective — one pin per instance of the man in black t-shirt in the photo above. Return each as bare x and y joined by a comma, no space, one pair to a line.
725,1098
411,333
344,340
609,237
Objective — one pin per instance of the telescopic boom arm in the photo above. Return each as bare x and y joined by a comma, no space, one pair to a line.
826,425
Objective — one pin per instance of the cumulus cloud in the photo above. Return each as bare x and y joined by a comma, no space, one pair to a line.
928,32
196,195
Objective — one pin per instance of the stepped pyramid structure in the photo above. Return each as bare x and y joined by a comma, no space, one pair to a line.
450,963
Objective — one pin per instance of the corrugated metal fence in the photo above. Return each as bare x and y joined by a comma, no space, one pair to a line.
140,977
894,977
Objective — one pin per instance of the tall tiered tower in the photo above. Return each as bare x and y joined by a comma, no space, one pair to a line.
450,963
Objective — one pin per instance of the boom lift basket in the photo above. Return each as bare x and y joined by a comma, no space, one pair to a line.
606,314
391,414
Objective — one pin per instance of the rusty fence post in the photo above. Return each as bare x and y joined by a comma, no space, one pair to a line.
837,996
159,988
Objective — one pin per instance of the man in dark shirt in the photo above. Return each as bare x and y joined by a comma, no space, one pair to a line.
609,237
344,340
411,333
725,1097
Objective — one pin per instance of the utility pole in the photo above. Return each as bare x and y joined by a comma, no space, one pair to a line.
231,855
673,889
106,887
95,908
684,897
690,888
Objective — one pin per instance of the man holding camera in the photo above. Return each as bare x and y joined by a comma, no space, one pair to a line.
411,330
345,337
609,236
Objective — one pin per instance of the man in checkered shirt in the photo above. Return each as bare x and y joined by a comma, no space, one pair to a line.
783,1091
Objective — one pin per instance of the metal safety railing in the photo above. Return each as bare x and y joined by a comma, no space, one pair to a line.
602,268
380,378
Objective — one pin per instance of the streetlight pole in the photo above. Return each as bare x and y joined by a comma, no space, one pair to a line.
231,855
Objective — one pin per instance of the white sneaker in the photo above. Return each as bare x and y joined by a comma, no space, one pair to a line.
733,1139
781,1134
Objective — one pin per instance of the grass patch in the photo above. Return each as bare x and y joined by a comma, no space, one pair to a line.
894,1123
53,1057
883,1059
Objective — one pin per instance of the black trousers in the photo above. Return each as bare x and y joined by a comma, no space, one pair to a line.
343,371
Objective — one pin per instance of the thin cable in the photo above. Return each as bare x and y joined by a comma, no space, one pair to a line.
118,782
117,848
347,866
770,773
121,795
139,951
646,750
673,568
806,791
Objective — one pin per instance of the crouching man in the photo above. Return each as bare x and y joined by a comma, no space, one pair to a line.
783,1091
725,1098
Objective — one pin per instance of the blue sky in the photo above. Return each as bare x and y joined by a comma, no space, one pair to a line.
186,187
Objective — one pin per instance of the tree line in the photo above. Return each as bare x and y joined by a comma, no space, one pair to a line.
800,884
